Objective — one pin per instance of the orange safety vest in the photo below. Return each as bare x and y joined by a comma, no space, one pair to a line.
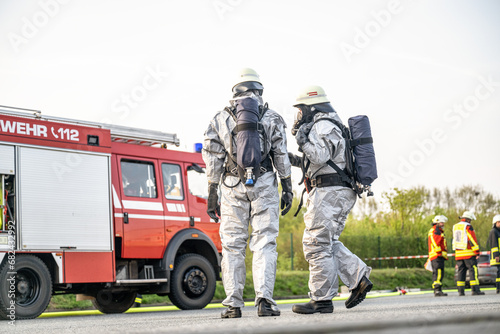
437,243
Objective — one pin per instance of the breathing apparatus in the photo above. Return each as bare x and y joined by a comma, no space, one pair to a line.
304,115
310,100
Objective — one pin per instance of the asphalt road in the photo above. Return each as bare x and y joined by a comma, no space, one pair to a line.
410,313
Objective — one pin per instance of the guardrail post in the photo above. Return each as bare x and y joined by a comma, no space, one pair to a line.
379,261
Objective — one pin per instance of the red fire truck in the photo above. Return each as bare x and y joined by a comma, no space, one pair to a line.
102,211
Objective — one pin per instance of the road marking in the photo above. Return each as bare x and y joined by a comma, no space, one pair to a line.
143,309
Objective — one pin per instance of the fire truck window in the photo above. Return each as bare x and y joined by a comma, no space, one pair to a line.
172,181
138,178
198,183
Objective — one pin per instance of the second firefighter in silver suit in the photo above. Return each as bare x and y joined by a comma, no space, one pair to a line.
329,202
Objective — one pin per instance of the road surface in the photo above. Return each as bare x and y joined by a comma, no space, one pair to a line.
410,313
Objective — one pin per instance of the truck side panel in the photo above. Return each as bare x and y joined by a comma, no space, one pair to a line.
64,200
88,267
7,159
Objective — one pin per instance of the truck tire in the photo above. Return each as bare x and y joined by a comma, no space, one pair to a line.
192,284
114,302
26,288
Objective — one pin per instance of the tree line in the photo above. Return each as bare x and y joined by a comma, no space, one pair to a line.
395,225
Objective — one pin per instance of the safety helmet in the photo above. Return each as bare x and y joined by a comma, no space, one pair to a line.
311,95
468,215
247,80
440,219
496,219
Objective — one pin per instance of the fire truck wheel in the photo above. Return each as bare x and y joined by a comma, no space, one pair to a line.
28,289
114,302
192,284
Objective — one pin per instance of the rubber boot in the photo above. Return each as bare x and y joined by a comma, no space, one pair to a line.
314,306
438,292
266,309
231,312
498,287
358,294
461,290
476,291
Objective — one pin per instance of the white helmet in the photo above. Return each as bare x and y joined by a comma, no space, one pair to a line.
311,95
248,79
496,219
469,215
440,219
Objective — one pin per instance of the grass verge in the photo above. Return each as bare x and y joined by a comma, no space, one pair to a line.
289,284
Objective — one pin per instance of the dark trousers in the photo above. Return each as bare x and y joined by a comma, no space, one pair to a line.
470,264
437,272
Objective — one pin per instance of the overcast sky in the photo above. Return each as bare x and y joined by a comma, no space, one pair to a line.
427,73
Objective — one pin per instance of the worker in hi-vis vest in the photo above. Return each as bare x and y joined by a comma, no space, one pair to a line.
466,253
494,242
438,253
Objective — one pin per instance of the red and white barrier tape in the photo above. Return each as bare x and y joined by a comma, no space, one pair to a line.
410,257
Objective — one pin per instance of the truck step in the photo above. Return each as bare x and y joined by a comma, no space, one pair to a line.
141,281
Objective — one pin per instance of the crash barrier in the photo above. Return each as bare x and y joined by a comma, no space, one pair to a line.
410,257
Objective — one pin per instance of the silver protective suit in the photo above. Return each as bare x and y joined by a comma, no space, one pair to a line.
327,210
242,206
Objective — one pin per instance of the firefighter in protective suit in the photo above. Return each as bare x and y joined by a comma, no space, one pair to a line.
329,202
466,253
242,205
438,253
494,242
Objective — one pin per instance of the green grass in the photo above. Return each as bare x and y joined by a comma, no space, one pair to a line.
289,284
68,302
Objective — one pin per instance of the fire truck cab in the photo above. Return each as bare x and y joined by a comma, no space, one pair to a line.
102,211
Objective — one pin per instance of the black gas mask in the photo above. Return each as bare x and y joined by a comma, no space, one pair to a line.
306,113
303,115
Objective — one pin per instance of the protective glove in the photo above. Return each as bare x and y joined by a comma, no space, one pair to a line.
302,135
213,207
294,159
286,195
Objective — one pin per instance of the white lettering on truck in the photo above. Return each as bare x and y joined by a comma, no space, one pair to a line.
23,128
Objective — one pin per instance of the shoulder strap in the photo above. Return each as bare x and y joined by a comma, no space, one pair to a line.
337,123
262,110
230,111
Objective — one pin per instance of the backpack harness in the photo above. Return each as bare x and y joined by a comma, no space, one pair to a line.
232,167
344,177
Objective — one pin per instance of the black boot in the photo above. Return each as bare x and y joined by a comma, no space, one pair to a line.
461,291
266,309
476,291
358,294
231,312
314,306
439,293
498,287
